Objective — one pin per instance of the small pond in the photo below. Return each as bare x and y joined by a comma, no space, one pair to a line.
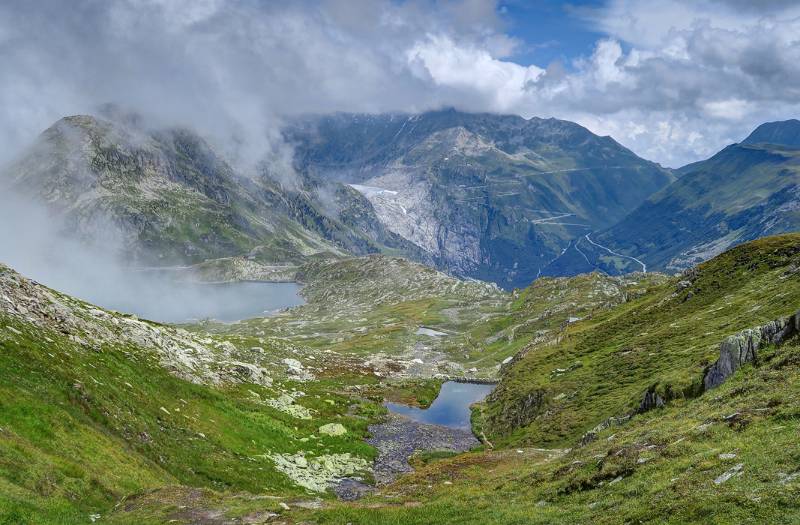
170,302
451,406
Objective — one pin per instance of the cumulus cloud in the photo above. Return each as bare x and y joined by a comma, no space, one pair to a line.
698,74
675,80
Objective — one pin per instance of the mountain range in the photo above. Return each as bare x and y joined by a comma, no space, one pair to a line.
746,191
166,197
485,196
482,196
492,197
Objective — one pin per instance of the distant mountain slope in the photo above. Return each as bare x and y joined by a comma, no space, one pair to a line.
746,191
489,196
166,197
786,133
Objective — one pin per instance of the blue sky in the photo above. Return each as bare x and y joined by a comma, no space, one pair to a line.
551,31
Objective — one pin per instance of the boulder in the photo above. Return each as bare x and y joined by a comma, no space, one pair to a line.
333,429
650,400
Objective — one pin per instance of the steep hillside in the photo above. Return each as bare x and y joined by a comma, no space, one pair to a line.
661,342
164,197
746,191
97,406
487,196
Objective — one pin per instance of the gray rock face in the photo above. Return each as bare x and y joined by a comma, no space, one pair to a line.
486,196
650,400
522,413
607,423
743,347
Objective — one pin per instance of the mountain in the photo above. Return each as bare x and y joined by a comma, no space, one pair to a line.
746,191
485,196
785,133
165,196
493,197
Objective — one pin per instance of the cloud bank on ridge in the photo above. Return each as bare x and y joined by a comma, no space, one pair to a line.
672,79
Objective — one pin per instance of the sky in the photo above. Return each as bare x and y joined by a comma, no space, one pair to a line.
674,80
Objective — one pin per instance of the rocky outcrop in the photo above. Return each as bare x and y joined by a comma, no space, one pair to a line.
607,423
318,473
185,355
333,429
650,400
743,347
735,351
520,413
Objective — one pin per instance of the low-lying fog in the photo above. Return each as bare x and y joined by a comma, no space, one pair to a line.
33,243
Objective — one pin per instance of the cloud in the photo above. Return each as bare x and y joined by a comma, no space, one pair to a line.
230,69
499,85
699,75
675,80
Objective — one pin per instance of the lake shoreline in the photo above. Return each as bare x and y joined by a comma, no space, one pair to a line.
407,430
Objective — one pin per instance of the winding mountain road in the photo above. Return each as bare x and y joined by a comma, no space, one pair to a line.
612,252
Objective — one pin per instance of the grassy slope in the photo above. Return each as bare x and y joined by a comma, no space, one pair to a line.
72,441
663,339
660,466
81,428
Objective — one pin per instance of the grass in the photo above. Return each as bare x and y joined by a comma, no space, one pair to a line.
83,428
106,430
661,340
660,467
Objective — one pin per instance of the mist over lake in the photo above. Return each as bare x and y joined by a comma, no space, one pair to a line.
227,302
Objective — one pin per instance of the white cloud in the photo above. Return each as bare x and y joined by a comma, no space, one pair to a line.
675,80
734,109
502,84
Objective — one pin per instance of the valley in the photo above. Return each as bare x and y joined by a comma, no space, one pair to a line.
420,327
256,420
